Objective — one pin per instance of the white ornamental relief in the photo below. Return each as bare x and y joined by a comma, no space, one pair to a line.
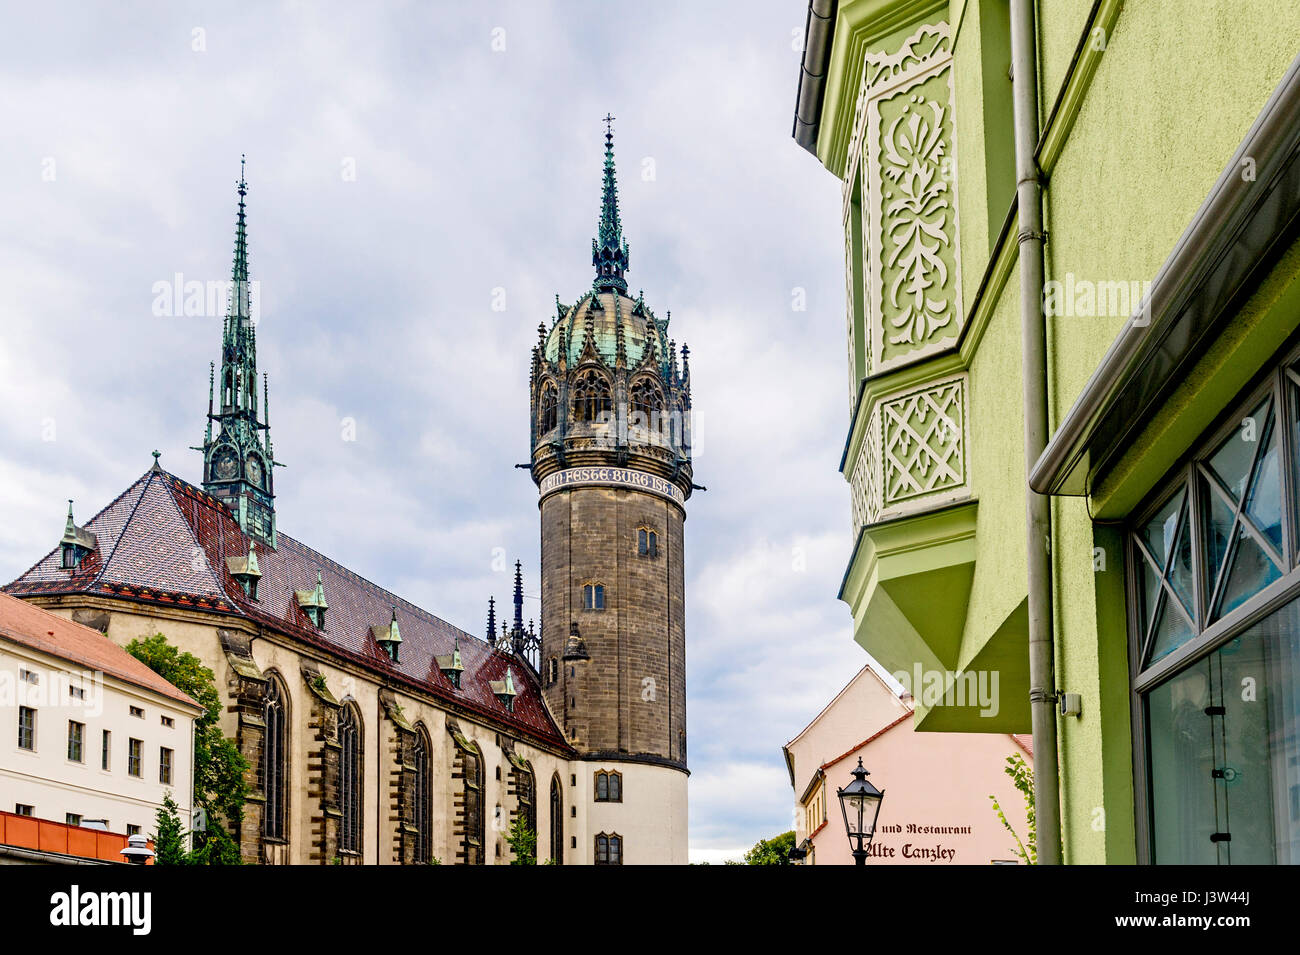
903,144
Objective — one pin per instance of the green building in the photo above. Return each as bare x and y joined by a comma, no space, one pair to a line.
1137,401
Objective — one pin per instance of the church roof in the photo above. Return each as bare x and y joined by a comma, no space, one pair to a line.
642,333
166,542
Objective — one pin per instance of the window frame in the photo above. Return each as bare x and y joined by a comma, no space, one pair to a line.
613,848
1279,382
135,757
30,728
166,765
613,786
77,739
593,596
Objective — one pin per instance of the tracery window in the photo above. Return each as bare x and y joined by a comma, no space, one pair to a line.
1214,598
591,397
647,404
547,413
421,798
609,849
593,596
350,752
647,542
275,758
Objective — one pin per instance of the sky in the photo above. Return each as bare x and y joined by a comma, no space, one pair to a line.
424,179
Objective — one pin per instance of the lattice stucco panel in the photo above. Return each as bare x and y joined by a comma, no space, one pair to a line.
923,442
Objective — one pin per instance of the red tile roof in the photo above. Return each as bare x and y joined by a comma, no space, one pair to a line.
165,541
83,647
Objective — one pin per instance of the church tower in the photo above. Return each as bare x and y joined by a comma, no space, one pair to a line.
611,456
237,462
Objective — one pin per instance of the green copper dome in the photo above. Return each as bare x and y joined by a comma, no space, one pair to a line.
612,310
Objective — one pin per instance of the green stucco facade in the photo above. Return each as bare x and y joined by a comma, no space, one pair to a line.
1142,105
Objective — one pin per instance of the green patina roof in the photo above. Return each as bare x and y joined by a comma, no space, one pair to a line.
615,310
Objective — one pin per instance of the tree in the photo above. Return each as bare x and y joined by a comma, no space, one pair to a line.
1022,777
523,842
774,851
219,768
169,842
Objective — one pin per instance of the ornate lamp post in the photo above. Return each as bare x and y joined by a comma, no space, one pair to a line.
860,803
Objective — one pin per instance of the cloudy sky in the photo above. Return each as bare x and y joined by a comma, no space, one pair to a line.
423,179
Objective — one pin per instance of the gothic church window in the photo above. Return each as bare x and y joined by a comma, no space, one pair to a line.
421,799
609,786
275,760
647,542
557,821
591,397
547,414
473,808
350,752
609,849
593,596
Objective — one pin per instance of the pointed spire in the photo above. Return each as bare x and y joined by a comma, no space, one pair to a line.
492,619
609,250
519,597
70,528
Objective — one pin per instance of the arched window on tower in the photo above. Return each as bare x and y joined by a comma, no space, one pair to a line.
547,409
350,753
647,404
275,759
593,596
557,821
421,798
647,542
591,397
609,849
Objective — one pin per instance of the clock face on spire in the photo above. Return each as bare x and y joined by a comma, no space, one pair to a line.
225,466
253,470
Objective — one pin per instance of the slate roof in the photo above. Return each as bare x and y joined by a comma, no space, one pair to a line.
164,541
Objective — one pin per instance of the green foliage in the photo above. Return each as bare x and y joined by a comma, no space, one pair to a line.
523,843
1022,777
169,842
774,851
219,767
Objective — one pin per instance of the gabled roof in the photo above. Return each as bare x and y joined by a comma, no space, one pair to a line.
84,648
166,542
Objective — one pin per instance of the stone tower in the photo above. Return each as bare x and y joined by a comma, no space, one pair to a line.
238,461
611,456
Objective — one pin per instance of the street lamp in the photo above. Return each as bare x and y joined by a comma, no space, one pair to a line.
137,850
860,803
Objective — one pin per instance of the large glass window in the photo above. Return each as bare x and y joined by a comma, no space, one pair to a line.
1215,609
349,730
275,760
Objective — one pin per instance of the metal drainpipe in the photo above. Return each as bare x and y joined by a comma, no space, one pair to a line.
1042,681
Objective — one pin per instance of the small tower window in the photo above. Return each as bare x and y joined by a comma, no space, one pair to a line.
647,542
547,414
609,786
552,671
609,849
593,596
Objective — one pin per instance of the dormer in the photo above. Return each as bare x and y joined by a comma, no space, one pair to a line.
388,636
313,603
505,691
245,571
77,542
450,664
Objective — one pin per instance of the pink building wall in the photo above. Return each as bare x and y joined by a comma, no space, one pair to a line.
936,809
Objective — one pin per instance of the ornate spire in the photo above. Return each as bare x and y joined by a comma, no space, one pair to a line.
237,461
519,597
609,250
492,620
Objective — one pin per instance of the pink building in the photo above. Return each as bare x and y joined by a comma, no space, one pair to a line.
936,809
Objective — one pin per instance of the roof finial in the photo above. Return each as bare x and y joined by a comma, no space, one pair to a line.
156,465
609,250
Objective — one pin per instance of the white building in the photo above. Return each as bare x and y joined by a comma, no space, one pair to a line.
89,732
